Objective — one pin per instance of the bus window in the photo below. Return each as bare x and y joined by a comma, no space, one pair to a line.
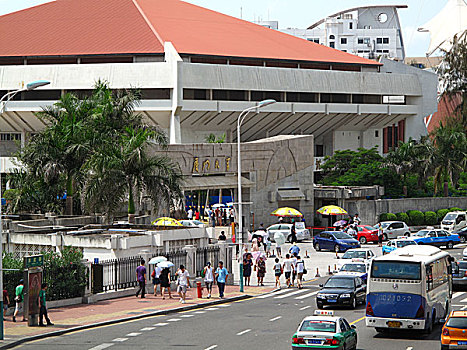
396,270
429,278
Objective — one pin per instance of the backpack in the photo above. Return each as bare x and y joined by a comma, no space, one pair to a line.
203,272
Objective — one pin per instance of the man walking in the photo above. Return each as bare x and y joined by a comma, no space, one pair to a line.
294,249
294,269
43,308
221,276
141,277
19,300
208,278
287,267
190,214
183,282
380,235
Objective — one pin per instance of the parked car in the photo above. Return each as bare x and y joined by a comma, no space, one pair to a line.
342,290
462,232
337,241
454,220
393,244
285,229
459,273
436,237
366,233
394,229
192,223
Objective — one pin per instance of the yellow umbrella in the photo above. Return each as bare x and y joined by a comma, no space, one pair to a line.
331,210
287,212
164,221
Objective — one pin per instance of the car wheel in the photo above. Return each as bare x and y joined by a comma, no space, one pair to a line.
462,239
353,305
317,247
450,245
336,248
362,240
319,305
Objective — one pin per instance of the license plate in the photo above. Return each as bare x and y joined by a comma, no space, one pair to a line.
332,300
394,324
315,341
462,343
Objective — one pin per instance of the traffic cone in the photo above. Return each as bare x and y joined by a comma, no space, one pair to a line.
329,270
306,254
317,273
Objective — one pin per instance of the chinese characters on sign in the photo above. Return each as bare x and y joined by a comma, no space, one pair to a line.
204,166
33,261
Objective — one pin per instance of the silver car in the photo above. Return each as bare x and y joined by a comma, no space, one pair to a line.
285,229
459,273
394,229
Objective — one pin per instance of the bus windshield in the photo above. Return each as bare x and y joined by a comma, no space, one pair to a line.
396,270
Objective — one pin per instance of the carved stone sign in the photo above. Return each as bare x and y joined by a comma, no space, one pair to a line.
205,165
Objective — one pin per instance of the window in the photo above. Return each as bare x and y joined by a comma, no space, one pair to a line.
344,41
366,41
379,40
385,40
331,37
376,133
350,25
396,269
343,326
319,151
385,51
332,45
360,40
10,137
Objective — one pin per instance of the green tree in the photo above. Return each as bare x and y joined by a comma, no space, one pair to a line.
212,138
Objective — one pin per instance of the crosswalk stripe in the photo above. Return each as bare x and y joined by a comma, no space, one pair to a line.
102,346
306,295
464,300
273,294
305,307
457,294
290,294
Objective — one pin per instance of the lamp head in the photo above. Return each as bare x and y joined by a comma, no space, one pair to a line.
35,84
265,103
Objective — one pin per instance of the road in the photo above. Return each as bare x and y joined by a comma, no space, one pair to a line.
265,322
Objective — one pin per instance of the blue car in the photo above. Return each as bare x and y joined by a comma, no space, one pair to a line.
393,244
337,241
436,237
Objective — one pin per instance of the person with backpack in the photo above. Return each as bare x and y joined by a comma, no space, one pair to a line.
208,275
277,272
19,300
156,273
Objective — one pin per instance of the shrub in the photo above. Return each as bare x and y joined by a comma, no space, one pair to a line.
431,218
416,217
441,214
11,275
387,217
403,217
455,209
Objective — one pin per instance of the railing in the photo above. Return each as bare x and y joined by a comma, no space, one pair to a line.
203,255
114,274
178,258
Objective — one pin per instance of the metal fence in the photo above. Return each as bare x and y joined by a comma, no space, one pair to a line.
114,274
178,257
203,255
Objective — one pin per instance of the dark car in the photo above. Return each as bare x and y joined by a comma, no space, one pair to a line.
337,241
342,290
459,273
462,232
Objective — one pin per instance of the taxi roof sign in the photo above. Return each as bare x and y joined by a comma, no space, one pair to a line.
324,313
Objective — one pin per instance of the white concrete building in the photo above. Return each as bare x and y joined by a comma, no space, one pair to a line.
367,31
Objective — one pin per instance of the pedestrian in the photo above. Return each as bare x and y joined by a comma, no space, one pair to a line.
141,278
294,269
278,250
183,282
224,217
380,235
43,307
222,236
165,282
156,274
261,270
213,218
232,216
300,272
6,302
277,272
197,214
293,234
221,276
294,249
190,214
287,267
268,246
247,265
356,219
19,300
208,278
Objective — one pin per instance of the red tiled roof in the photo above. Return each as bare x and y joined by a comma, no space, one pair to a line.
82,27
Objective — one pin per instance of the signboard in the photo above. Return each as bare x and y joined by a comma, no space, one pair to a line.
34,287
33,261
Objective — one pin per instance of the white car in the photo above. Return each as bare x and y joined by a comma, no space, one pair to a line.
285,229
192,223
454,220
394,229
357,255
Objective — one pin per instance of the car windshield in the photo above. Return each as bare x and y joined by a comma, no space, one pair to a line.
318,326
370,228
450,217
457,322
396,269
462,265
422,233
354,268
385,224
339,283
354,254
196,222
401,244
341,235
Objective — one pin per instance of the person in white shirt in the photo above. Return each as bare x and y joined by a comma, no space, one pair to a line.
287,267
183,282
300,270
294,271
156,279
356,220
208,278
190,214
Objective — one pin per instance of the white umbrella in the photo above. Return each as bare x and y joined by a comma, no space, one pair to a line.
165,264
279,238
218,205
157,260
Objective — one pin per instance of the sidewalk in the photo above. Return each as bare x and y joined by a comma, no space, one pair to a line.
116,309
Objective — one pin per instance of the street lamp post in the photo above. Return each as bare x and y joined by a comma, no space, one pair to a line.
3,101
240,120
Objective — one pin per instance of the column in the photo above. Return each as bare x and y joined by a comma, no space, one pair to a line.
175,133
190,260
87,289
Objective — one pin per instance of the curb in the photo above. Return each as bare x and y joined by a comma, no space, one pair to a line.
121,320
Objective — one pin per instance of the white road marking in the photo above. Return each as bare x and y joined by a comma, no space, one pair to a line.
174,320
409,348
457,294
290,294
273,294
223,305
464,300
244,332
211,347
187,316
305,307
134,334
306,295
275,318
147,329
464,307
102,346
212,308
120,340
199,312
161,324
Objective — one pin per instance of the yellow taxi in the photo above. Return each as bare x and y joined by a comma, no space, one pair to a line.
454,333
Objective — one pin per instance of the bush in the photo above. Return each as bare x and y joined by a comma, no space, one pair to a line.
416,218
431,218
403,217
387,217
441,214
455,209
11,278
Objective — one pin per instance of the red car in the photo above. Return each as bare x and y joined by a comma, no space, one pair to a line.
366,233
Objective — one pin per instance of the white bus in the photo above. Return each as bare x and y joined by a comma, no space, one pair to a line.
410,288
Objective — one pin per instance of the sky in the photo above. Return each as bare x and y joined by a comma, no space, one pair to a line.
302,13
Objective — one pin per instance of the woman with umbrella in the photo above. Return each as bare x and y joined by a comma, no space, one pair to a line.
247,265
165,278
